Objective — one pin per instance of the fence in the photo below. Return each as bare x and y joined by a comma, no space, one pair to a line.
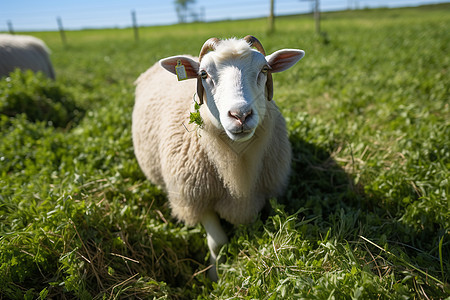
117,14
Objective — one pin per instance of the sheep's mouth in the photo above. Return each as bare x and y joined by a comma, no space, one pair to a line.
240,134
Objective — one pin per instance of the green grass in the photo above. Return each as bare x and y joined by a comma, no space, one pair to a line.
366,214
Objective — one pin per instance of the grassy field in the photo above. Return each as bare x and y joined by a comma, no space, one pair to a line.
366,214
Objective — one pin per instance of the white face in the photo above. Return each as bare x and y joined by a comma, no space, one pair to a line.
235,91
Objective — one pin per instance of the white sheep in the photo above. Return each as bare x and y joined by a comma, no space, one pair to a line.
239,157
24,52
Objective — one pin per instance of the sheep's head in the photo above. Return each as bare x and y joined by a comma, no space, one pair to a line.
235,81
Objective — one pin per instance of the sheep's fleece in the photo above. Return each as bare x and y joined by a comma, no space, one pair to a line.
26,53
202,169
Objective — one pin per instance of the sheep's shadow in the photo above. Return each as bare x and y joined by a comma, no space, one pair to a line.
322,190
317,182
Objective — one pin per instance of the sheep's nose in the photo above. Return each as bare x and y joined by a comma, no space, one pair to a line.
240,116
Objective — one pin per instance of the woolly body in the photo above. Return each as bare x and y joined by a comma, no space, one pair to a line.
26,53
206,171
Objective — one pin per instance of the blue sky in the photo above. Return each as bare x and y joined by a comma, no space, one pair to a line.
41,15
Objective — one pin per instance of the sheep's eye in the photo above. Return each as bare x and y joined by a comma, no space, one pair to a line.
265,69
203,74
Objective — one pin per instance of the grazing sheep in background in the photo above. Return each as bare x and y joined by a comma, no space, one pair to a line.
239,157
26,53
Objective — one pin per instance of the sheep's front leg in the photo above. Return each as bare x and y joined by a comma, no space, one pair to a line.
216,239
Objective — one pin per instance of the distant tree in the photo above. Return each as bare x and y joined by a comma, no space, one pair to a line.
182,8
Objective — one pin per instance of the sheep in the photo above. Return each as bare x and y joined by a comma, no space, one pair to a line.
26,53
240,154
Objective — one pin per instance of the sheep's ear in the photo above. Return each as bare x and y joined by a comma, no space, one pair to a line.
282,60
190,65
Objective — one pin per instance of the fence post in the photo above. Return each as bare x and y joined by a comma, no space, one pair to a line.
272,17
135,26
61,31
317,16
10,27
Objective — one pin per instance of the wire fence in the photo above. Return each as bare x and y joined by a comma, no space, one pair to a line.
119,13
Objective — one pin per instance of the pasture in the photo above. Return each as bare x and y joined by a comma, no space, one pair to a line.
366,214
